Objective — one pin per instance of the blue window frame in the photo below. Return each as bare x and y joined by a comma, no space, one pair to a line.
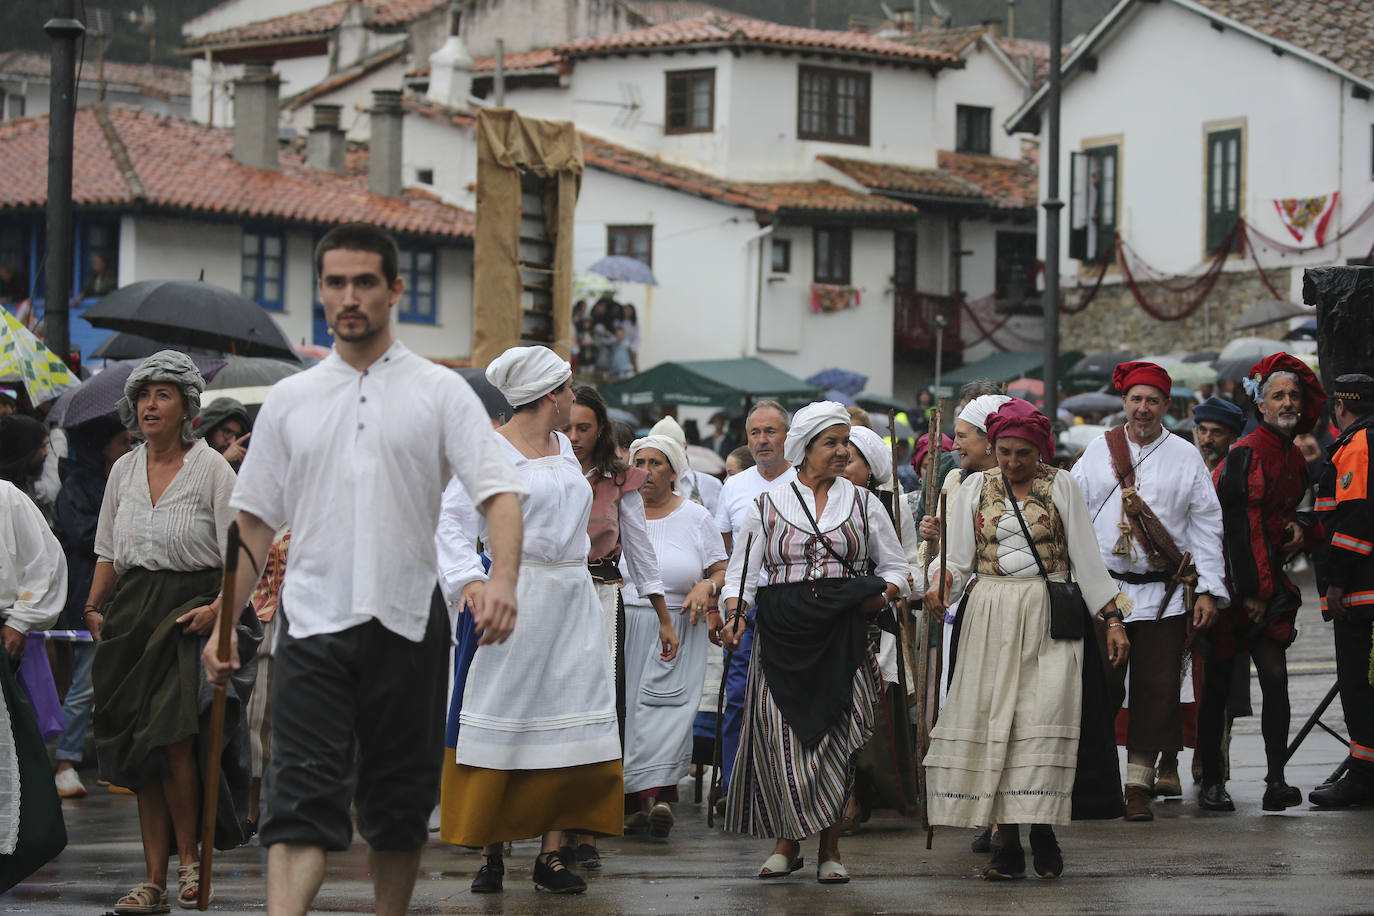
263,276
419,301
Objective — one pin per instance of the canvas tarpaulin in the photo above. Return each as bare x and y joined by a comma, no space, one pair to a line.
507,144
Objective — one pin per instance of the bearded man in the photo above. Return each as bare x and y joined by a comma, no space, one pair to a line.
1217,423
1260,485
1158,526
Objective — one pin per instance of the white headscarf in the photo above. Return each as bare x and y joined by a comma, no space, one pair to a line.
525,374
977,411
876,452
677,458
809,421
670,428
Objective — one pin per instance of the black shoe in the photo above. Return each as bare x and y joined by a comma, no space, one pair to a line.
1045,854
1279,795
568,856
551,876
1009,863
1214,797
587,856
982,843
1349,791
489,876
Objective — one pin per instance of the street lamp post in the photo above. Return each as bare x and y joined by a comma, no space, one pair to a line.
1053,205
63,29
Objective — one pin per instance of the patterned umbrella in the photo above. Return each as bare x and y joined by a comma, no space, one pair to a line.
625,269
24,360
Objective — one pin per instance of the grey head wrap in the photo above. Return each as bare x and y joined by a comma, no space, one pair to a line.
172,368
218,411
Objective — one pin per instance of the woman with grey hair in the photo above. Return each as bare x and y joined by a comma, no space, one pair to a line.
153,600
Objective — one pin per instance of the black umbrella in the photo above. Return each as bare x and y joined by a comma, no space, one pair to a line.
1235,369
191,314
98,395
121,345
1092,402
1100,365
491,397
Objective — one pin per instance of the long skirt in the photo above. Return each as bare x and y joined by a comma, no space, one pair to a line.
150,689
782,789
661,698
535,743
32,832
1005,750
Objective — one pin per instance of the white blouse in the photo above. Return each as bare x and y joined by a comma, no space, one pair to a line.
555,518
184,532
686,542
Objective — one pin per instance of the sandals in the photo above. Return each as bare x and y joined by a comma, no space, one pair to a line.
188,887
832,872
779,866
144,898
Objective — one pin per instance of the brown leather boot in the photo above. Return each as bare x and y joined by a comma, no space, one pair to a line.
1138,804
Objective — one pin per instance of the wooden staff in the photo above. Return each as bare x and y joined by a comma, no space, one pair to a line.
939,643
900,607
228,606
713,795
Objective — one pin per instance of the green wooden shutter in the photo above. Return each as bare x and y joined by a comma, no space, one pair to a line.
1078,206
1223,185
1104,237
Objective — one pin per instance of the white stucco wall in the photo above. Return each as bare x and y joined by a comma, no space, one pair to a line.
241,12
36,95
986,82
356,99
1295,143
527,24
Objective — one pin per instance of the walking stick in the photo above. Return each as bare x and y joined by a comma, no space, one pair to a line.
939,643
931,486
714,794
227,608
900,612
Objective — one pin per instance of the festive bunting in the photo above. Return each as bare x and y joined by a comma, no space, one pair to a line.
829,297
1300,215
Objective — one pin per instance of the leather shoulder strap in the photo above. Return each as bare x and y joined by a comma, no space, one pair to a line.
1121,455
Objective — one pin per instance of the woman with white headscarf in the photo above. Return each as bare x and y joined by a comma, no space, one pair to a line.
533,744
821,556
153,601
661,691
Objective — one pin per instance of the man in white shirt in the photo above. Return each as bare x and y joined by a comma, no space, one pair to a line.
766,426
1168,474
697,486
354,454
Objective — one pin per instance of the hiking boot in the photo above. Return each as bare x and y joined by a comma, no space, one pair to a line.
1046,857
1214,797
1167,782
1279,795
1007,864
1138,804
1350,791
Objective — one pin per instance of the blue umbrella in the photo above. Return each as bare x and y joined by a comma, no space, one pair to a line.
835,394
851,383
625,269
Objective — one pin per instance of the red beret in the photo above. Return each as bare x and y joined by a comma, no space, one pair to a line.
1128,375
1313,395
918,457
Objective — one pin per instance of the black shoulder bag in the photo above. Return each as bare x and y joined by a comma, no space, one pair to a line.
1068,610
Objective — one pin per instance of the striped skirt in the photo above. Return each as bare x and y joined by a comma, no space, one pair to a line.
780,789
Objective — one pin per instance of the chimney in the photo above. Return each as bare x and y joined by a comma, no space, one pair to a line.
450,75
255,116
384,159
993,27
1011,18
324,147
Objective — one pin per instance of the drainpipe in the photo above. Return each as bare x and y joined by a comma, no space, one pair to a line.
751,333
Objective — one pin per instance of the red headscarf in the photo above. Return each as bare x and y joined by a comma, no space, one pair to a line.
1313,396
1020,419
1128,375
918,457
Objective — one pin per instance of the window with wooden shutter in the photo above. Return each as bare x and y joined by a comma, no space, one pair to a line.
832,249
632,242
1093,187
972,129
1223,185
833,105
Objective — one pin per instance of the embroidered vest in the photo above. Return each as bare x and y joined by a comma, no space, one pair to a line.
1046,528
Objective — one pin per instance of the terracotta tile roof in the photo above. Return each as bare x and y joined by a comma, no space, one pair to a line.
1032,57
127,157
427,109
1036,53
316,21
1005,184
767,197
150,79
343,78
522,61
949,41
1342,31
739,31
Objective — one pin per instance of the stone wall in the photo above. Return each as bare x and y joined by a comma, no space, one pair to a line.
1114,320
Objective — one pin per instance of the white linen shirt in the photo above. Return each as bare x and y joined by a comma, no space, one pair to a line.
738,493
33,570
356,462
1173,480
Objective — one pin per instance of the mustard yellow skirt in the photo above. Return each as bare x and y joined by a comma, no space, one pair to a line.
479,807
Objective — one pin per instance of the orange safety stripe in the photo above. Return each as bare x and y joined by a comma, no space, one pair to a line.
1352,468
1363,548
1327,503
1354,599
1361,752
